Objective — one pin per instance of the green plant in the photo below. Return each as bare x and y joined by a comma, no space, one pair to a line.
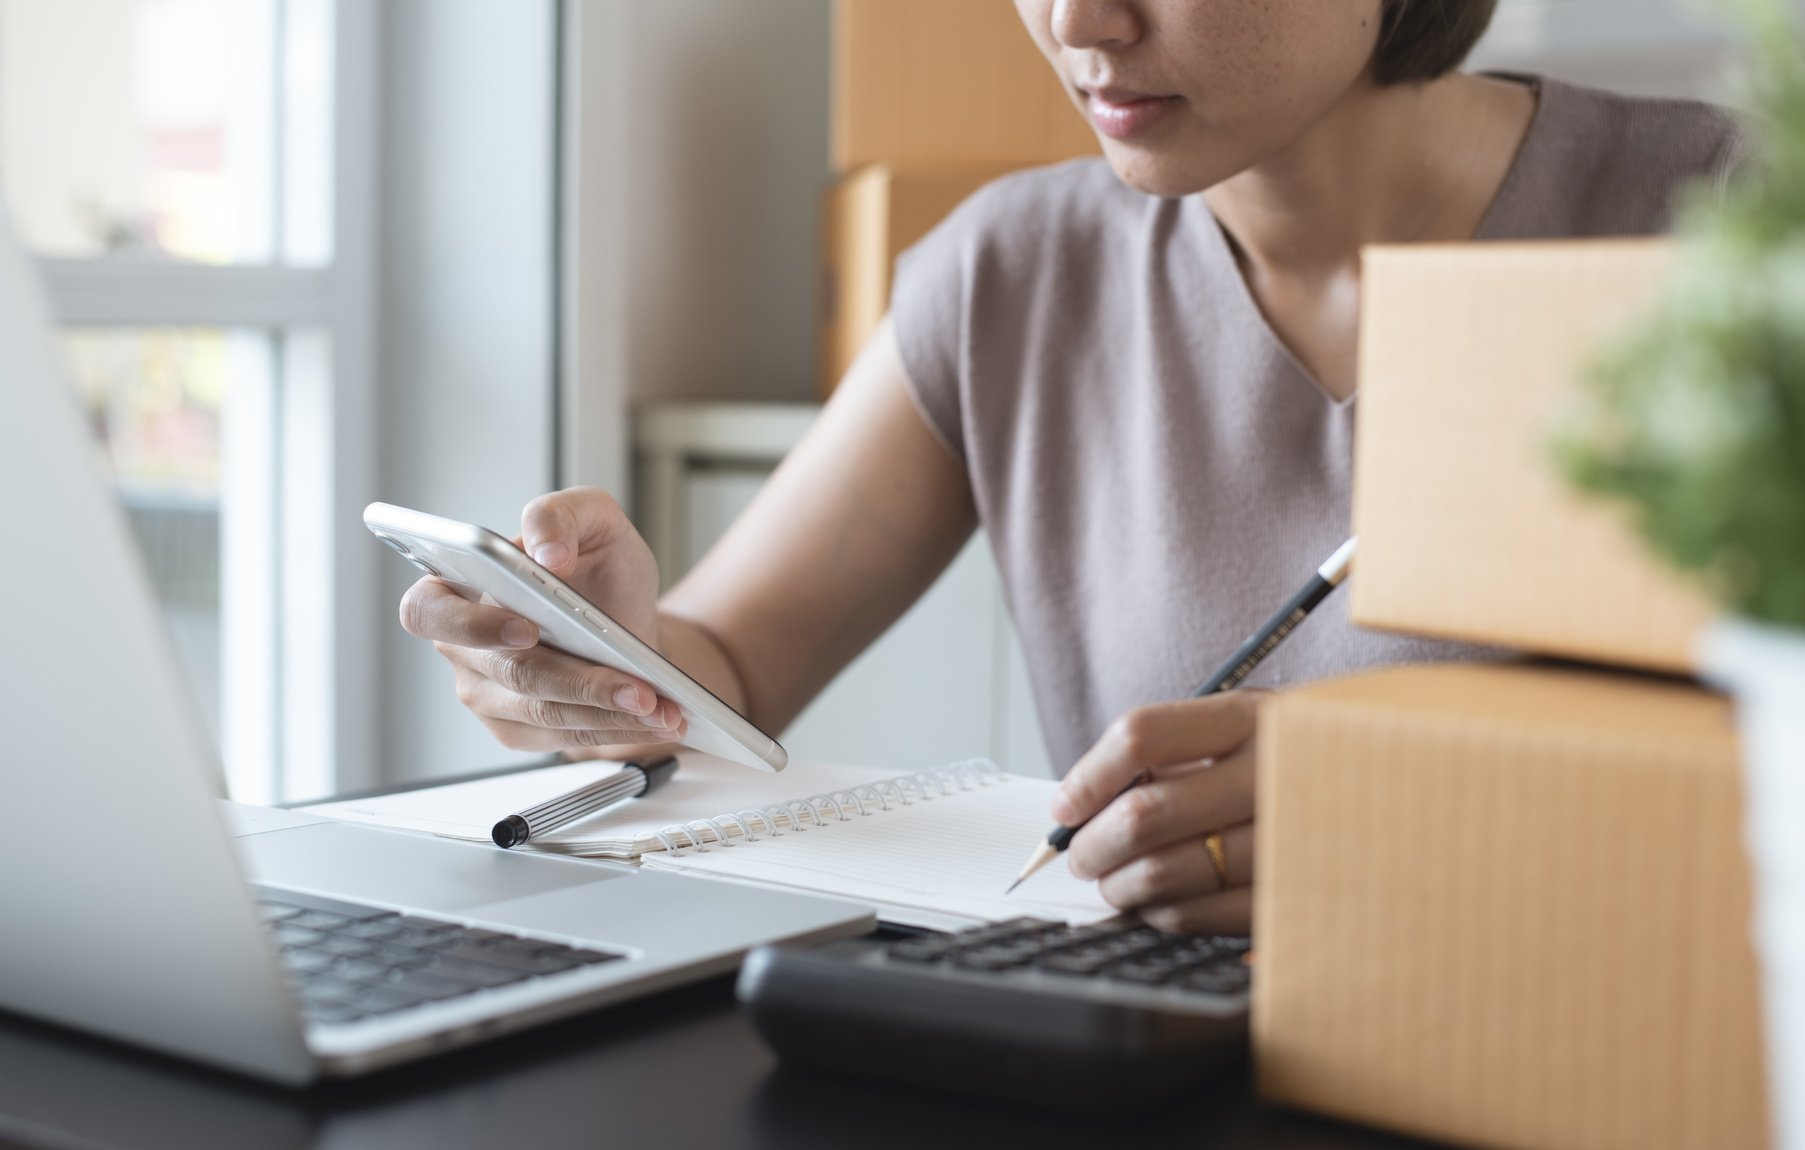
1695,415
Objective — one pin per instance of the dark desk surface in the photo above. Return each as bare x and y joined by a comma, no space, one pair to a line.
680,1069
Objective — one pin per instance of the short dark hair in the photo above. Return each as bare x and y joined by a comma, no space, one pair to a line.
1423,39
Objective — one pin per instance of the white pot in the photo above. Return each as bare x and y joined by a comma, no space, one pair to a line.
1764,667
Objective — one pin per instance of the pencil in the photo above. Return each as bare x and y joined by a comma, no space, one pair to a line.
1230,675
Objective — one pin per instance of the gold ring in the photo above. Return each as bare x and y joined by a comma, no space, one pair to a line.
1212,842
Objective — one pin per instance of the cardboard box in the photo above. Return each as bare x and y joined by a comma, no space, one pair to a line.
869,219
922,83
1508,906
1466,529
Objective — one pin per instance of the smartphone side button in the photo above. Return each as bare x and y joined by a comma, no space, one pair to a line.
596,618
569,600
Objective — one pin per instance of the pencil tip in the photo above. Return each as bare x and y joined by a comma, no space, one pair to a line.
1012,887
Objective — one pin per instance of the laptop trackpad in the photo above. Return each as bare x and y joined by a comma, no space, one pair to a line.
406,869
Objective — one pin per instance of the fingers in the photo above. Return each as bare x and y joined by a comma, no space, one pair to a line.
615,744
490,699
1230,912
555,527
1181,872
1148,738
553,676
434,609
1162,811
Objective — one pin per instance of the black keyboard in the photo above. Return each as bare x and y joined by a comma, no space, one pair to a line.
1094,1017
1045,954
346,961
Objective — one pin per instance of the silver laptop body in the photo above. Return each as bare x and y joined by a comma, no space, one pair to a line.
124,903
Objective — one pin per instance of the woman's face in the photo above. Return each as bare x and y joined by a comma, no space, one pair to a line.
1186,93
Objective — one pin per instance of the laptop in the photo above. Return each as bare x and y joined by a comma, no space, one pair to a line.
136,904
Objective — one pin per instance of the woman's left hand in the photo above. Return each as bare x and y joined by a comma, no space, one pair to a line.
1148,848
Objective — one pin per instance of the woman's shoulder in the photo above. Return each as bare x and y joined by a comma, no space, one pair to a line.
1602,162
1681,131
1025,211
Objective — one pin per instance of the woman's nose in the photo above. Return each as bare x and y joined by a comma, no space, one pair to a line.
1095,23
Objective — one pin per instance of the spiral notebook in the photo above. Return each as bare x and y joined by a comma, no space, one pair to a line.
933,848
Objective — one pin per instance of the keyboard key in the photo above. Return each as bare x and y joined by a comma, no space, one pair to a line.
274,912
360,970
377,929
287,936
554,958
1212,982
331,1012
477,973
1145,973
594,957
989,958
918,950
327,988
386,1000
433,936
429,986
401,957
347,947
523,962
301,960
320,920
432,925
525,949
1072,964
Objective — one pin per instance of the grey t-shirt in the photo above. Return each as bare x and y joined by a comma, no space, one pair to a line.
1155,471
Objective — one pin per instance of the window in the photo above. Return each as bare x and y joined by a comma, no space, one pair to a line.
196,177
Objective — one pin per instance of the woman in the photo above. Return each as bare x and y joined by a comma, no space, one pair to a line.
1135,373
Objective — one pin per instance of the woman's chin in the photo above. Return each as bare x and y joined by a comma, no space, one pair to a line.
1155,174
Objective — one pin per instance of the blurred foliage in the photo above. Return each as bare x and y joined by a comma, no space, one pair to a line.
1695,415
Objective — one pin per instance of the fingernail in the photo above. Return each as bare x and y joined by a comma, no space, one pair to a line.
552,555
517,633
632,700
669,716
1063,812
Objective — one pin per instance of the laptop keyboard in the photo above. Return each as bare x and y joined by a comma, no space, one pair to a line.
346,961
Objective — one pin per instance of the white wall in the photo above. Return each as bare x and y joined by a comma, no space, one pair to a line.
467,313
1645,47
724,138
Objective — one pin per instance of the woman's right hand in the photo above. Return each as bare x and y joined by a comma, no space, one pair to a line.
533,698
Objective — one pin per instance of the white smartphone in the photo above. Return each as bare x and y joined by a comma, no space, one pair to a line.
483,561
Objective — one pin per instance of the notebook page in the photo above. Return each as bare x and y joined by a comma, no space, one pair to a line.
458,809
953,854
702,787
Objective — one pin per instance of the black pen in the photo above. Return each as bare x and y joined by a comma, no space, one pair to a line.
631,781
1230,675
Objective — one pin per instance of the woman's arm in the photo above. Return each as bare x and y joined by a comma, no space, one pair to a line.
853,527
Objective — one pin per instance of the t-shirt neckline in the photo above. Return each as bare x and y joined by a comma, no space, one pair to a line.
1545,92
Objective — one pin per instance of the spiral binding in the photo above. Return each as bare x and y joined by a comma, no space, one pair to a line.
790,815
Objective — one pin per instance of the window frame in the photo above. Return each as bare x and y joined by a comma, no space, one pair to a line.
318,730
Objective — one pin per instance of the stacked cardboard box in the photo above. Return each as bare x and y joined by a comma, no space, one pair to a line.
1468,356
1506,905
932,98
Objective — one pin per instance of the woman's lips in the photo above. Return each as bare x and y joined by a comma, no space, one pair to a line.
1121,114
